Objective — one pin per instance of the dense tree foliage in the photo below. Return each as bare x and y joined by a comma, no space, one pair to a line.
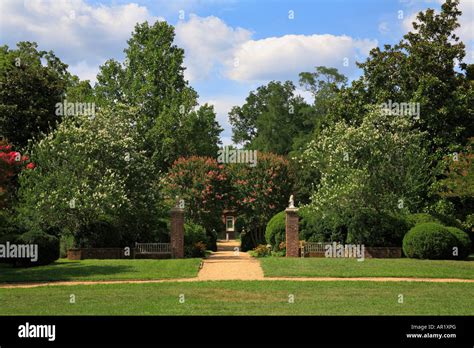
88,171
151,79
270,120
31,83
421,68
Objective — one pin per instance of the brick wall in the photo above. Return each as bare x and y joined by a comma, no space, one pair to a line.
98,253
383,252
370,252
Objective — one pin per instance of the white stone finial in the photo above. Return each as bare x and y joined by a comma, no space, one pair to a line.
177,202
292,202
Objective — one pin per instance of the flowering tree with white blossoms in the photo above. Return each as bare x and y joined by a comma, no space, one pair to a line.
378,167
89,169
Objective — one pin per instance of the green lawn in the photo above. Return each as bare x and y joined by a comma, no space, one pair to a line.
102,270
333,267
243,298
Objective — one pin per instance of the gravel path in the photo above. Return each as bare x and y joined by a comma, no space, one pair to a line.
185,280
228,263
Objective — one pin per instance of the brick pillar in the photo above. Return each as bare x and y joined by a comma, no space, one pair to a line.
292,237
177,233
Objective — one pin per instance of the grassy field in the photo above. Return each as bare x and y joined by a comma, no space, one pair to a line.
102,270
333,267
243,298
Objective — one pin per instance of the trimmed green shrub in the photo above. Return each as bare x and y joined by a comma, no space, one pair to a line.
429,241
464,242
275,231
48,248
195,240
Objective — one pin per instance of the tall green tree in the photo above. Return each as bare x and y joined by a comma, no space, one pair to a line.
203,132
426,67
31,83
80,91
369,173
324,84
91,170
151,79
271,118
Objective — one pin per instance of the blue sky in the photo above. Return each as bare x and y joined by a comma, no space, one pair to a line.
231,46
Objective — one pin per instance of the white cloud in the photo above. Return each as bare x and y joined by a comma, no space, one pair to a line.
76,31
207,42
286,56
212,46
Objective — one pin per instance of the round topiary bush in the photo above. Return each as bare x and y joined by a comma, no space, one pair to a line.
275,231
464,242
429,241
48,248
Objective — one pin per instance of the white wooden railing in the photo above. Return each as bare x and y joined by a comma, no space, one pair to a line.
153,248
311,247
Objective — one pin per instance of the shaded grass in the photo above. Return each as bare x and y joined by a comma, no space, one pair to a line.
345,267
243,298
102,270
